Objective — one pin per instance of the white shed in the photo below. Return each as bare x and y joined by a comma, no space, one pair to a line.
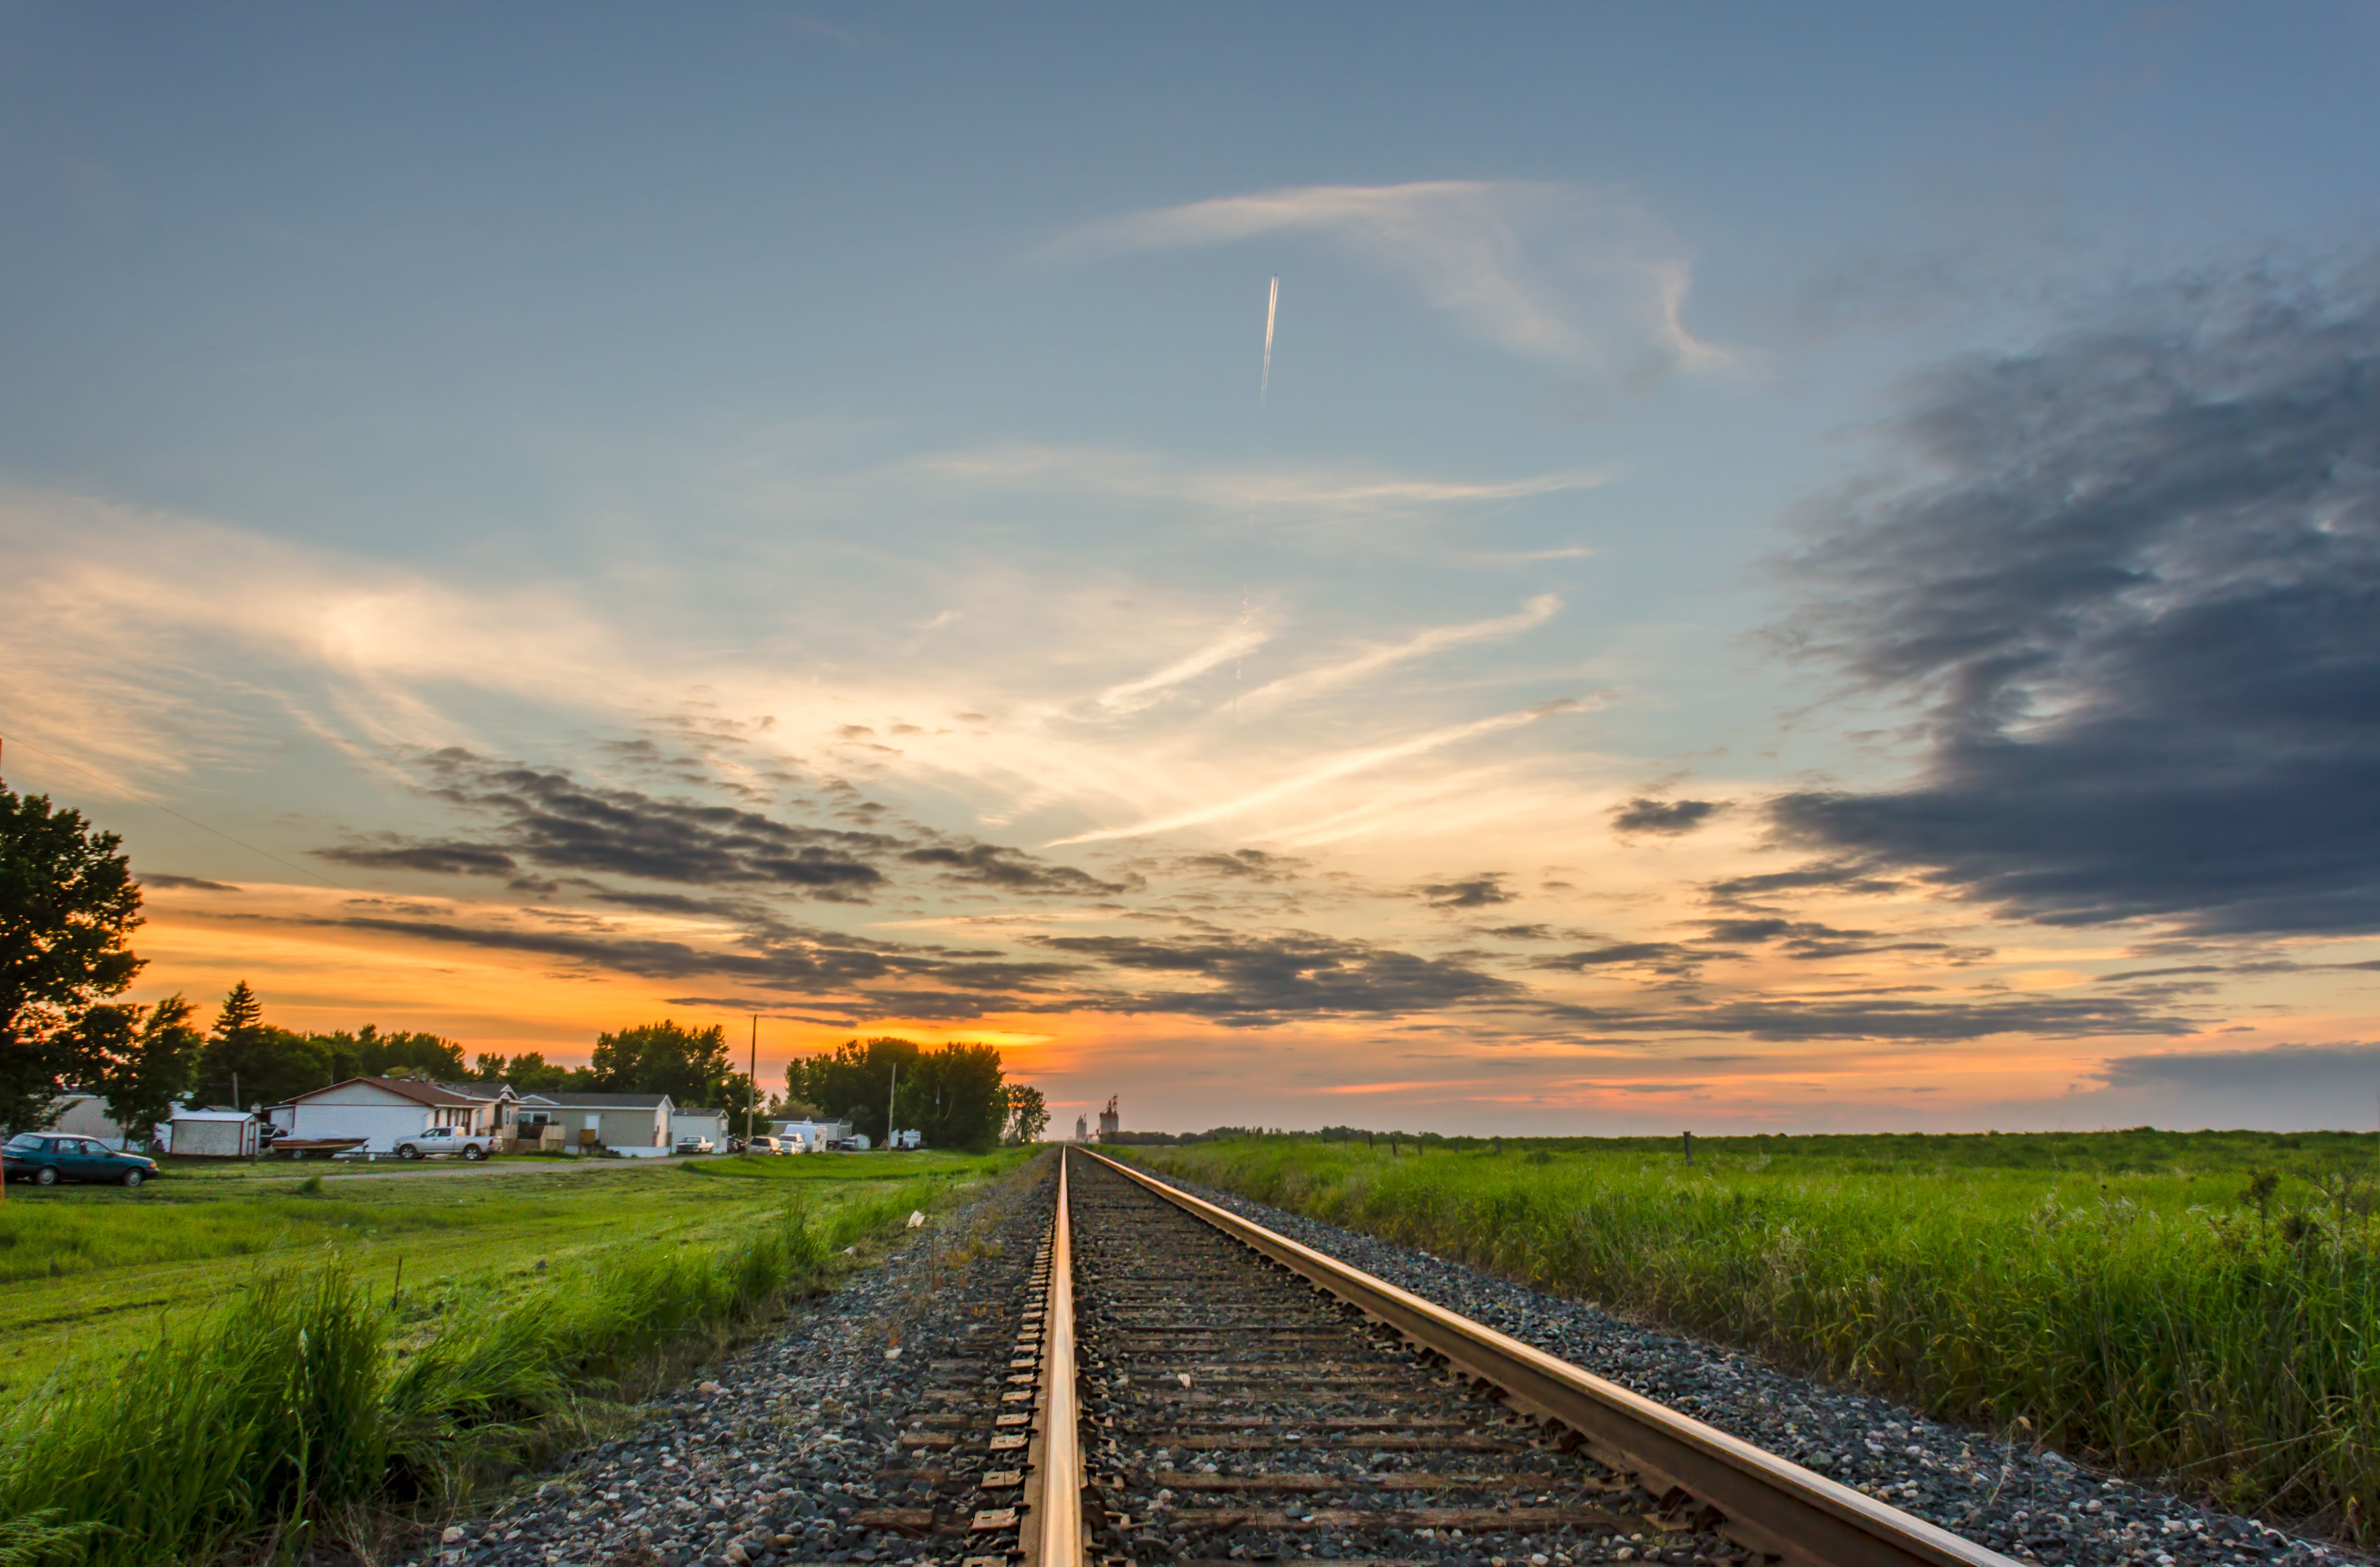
211,1133
696,1121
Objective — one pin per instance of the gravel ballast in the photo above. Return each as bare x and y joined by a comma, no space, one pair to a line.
2033,1505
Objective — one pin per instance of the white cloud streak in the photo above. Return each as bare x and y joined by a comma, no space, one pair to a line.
1344,765
1582,278
1134,695
1313,681
1308,489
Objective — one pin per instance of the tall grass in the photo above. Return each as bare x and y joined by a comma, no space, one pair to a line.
302,1406
2230,1343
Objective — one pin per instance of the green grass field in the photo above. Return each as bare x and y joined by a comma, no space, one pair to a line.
92,1270
2204,1306
241,1372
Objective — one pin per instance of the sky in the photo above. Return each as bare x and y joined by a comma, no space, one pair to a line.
1797,568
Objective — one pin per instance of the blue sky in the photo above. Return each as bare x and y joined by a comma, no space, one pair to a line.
543,384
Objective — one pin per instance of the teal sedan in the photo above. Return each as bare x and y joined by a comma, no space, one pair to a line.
44,1158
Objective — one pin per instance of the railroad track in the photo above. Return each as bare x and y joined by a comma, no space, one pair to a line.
1208,1391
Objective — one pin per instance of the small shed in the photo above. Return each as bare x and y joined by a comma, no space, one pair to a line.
212,1134
693,1120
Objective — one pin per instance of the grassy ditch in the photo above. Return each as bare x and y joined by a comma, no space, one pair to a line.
2218,1328
314,1402
90,1271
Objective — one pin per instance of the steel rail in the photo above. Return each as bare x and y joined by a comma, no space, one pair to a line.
1052,1534
1771,1504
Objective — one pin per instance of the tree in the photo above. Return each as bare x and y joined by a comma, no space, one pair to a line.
688,1065
248,1061
67,904
368,1052
955,1095
852,1081
139,1060
1027,1114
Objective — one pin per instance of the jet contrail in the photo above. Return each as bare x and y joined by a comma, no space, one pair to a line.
1272,308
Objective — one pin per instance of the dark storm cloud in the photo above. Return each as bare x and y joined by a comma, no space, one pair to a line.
1670,818
1257,979
1246,864
1809,939
2140,591
1009,870
447,859
2346,1071
1831,875
1620,953
1471,891
1871,1018
549,819
807,960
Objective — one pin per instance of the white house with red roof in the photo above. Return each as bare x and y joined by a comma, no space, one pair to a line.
383,1111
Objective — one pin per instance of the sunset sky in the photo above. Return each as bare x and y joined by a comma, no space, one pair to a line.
1805,567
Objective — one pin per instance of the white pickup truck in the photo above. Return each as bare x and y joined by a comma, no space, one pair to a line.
445,1140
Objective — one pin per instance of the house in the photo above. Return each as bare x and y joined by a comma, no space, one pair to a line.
211,1133
86,1116
383,1111
696,1121
637,1125
500,1105
812,1134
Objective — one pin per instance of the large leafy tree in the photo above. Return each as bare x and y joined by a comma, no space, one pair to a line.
67,905
1028,1114
853,1081
139,1059
690,1065
954,1095
368,1052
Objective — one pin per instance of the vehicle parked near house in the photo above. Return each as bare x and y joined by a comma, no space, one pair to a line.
44,1158
763,1143
696,1144
435,1142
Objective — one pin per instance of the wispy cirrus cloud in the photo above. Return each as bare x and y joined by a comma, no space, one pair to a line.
1343,765
1576,276
1311,490
1314,681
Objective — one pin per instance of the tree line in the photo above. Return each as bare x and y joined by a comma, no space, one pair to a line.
68,905
954,1096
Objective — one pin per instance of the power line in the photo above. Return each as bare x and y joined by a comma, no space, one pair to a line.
169,811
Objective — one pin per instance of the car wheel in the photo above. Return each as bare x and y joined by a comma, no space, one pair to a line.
47,1176
132,1178
475,1153
409,1152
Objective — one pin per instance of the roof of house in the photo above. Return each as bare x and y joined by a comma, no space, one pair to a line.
403,1088
481,1091
600,1101
184,1114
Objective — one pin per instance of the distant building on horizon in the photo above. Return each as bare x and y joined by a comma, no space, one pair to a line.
1110,1122
1082,1130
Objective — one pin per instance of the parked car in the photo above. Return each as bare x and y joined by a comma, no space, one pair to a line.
442,1140
764,1143
695,1144
44,1158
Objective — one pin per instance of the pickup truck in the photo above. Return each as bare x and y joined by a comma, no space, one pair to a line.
445,1140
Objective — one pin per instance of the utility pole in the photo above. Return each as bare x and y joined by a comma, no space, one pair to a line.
1690,1149
889,1094
752,1082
